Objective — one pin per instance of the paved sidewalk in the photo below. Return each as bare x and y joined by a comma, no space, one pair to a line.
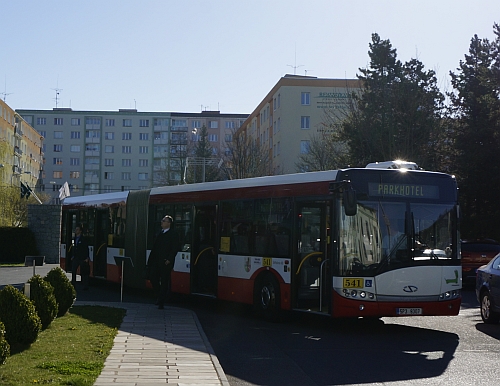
152,347
156,347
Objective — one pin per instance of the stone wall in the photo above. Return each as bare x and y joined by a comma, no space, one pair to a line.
45,222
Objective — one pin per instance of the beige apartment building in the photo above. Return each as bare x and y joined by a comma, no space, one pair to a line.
20,150
109,151
296,109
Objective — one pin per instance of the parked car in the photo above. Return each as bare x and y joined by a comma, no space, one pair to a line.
476,253
488,290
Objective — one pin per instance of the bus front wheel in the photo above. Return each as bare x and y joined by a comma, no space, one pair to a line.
267,297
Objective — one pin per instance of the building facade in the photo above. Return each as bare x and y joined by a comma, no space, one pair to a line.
20,150
296,109
108,151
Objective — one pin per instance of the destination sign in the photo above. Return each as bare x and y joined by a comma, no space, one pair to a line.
403,190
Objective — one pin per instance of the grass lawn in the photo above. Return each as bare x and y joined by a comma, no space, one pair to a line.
71,351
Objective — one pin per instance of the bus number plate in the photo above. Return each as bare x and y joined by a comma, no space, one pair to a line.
349,282
267,262
409,311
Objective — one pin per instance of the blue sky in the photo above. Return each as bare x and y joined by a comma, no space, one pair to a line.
194,55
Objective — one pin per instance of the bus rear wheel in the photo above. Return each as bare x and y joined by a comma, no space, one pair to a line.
267,297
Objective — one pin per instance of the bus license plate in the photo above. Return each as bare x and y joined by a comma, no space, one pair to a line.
353,282
409,311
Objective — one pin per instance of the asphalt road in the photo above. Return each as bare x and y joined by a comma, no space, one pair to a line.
312,350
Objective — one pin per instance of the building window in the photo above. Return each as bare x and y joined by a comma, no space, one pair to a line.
93,121
213,138
58,148
279,100
43,133
91,161
91,147
304,147
74,161
74,174
126,136
57,161
143,162
108,175
195,124
213,125
127,123
304,122
109,135
109,149
126,176
228,138
279,125
126,162
109,162
143,149
58,134
110,122
58,121
75,121
229,125
74,148
57,174
126,149
144,122
75,135
92,134
143,176
41,121
108,188
305,99
144,136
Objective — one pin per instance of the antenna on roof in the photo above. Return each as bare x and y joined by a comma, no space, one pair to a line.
295,63
5,93
57,95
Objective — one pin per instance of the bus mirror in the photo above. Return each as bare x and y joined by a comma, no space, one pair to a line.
350,202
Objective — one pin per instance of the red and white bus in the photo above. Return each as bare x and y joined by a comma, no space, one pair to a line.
355,242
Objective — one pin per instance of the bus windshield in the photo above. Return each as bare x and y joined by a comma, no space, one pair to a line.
384,236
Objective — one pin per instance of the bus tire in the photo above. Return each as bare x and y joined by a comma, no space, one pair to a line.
267,300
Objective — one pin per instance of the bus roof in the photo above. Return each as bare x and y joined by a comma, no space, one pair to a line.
285,179
97,200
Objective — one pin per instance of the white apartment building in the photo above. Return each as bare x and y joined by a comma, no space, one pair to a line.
291,113
108,151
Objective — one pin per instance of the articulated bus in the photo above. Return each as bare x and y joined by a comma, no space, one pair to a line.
359,242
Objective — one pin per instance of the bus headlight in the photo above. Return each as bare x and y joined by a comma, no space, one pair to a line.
356,294
449,295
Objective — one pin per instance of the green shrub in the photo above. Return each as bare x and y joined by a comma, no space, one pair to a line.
19,316
42,296
4,345
63,289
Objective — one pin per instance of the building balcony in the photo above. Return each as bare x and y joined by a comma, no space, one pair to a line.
17,169
92,180
18,151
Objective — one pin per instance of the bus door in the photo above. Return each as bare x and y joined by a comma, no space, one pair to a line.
68,226
204,272
311,268
102,226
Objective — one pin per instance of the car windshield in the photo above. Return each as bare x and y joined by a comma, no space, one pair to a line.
387,235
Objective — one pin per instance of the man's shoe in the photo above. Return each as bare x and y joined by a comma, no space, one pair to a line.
160,307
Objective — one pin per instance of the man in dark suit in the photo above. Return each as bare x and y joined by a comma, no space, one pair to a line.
162,258
80,257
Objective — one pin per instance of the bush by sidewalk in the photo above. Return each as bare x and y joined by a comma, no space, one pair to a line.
64,291
17,312
42,296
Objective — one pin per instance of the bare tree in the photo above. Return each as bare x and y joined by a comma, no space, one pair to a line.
245,158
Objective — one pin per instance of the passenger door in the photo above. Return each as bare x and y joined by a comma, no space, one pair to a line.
311,269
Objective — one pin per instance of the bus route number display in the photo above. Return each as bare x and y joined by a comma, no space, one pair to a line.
403,190
353,282
267,261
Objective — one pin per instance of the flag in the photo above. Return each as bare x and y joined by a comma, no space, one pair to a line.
64,191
